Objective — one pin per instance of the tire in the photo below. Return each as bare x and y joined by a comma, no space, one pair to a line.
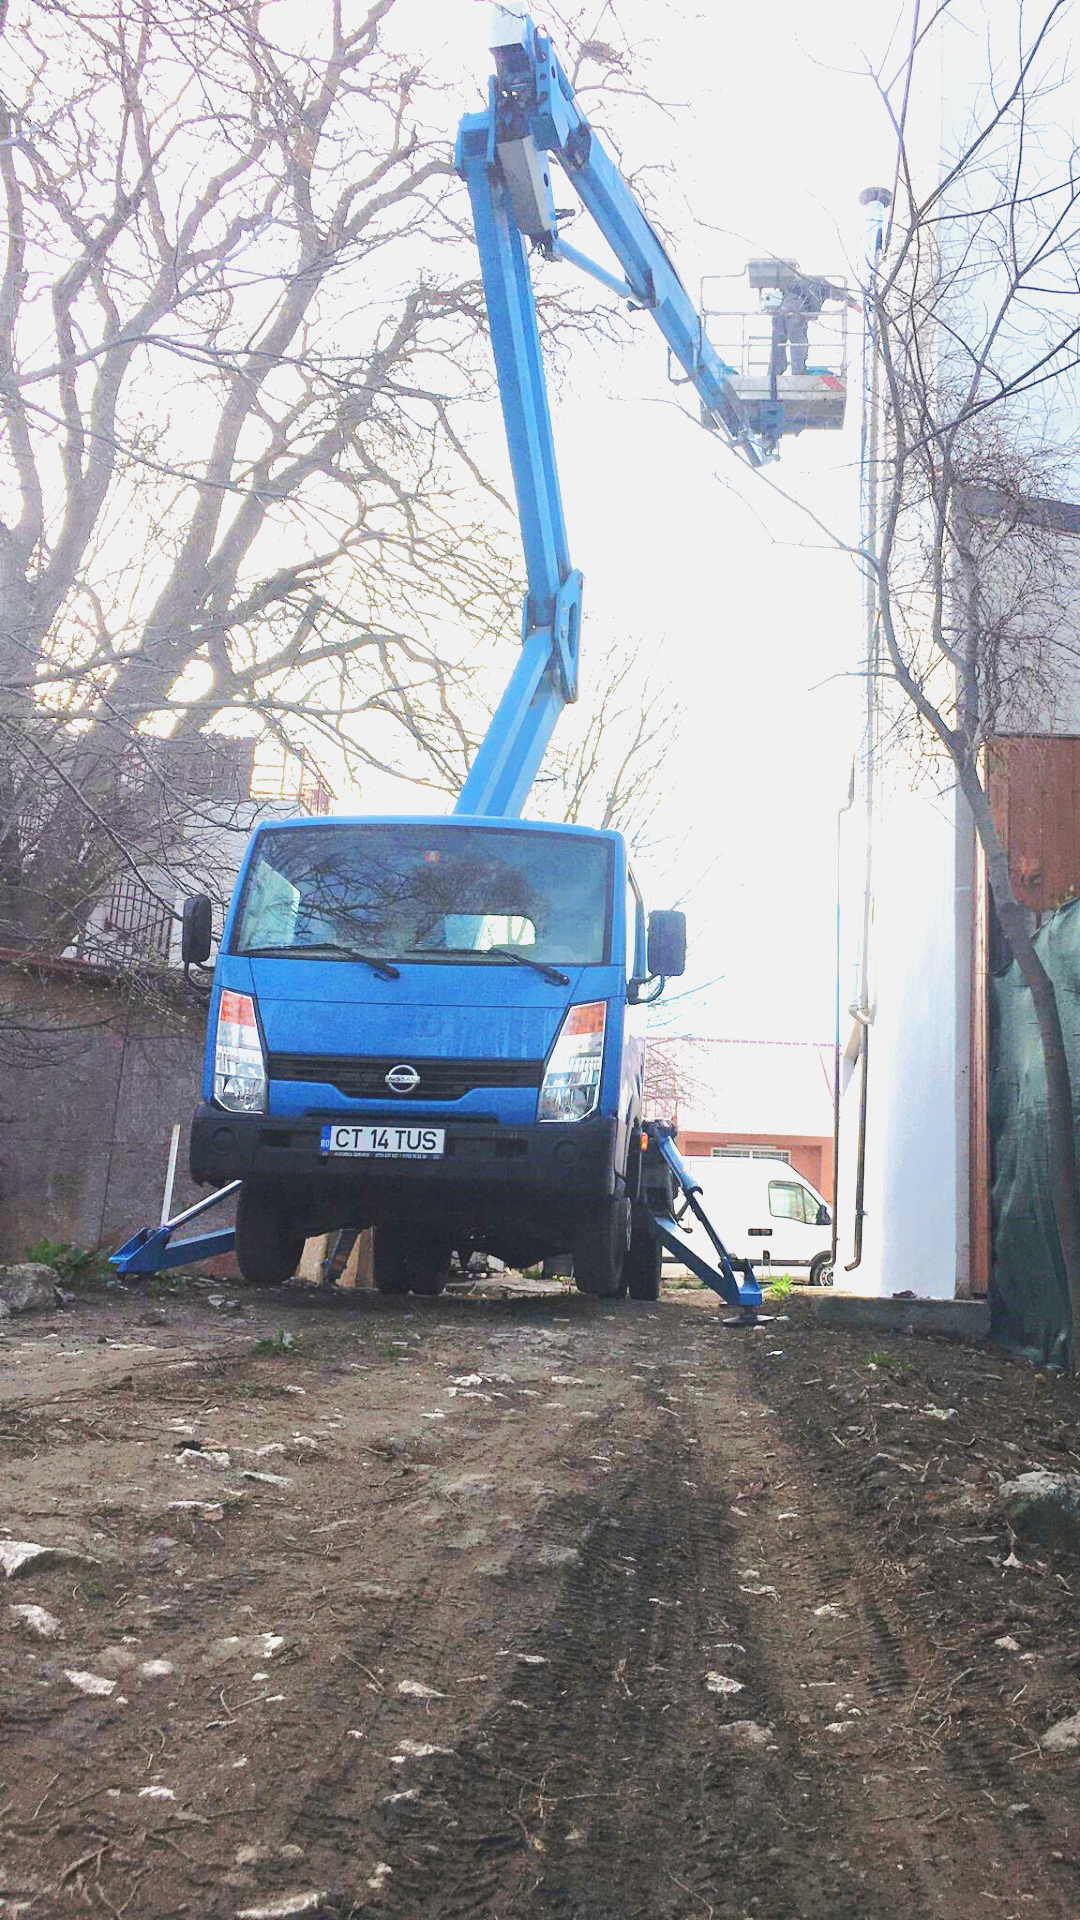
600,1247
409,1260
268,1249
821,1270
644,1261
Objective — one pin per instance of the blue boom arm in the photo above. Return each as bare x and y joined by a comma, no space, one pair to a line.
504,157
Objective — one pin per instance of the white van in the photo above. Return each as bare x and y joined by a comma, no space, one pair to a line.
764,1211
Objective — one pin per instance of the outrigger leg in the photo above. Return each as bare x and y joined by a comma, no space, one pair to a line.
152,1249
720,1273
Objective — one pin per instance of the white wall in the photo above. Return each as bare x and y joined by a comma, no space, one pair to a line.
913,1226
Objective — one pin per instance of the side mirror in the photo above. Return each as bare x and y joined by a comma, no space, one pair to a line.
667,945
198,933
824,1217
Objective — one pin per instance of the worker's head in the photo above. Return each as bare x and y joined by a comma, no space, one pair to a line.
770,299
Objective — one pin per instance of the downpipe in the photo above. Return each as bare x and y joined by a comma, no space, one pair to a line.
860,1165
876,201
840,812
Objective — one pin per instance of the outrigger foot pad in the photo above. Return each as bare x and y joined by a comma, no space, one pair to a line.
747,1319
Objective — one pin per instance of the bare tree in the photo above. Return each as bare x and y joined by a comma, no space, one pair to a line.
234,487
612,762
972,307
676,1075
241,342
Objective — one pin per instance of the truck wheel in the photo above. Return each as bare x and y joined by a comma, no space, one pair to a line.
643,1262
268,1248
408,1260
821,1270
600,1247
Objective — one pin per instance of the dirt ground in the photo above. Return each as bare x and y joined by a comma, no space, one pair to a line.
482,1609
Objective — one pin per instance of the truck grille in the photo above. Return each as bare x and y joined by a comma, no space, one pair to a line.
439,1079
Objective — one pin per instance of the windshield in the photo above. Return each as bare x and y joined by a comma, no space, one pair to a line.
428,893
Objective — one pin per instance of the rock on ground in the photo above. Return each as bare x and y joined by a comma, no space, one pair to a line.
36,1620
26,1556
1064,1737
1045,1507
27,1287
746,1734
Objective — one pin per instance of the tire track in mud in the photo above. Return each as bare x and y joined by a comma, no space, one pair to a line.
600,1785
333,1811
942,1796
491,1767
797,1813
552,1805
470,1837
813,1796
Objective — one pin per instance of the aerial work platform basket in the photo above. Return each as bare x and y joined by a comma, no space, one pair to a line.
817,398
789,360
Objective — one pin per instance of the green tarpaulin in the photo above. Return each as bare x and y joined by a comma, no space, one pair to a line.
1028,1298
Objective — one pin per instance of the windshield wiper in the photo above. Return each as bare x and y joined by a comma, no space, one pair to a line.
503,953
324,949
538,966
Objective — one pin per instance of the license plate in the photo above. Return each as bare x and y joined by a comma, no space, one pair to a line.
386,1143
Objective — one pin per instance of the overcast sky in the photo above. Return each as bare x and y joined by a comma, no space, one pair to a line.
775,138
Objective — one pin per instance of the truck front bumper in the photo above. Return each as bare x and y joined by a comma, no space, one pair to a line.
559,1159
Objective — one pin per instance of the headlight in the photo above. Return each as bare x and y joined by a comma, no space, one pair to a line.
239,1068
571,1085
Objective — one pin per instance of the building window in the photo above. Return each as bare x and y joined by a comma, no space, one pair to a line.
751,1153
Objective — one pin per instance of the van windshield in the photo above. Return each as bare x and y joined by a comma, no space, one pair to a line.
428,894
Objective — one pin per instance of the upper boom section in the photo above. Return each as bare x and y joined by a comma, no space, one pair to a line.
505,158
537,118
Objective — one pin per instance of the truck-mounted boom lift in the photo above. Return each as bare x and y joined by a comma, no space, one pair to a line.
302,1127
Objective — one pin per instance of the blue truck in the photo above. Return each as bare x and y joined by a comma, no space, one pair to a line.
435,1026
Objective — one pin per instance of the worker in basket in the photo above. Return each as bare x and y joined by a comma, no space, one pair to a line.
792,307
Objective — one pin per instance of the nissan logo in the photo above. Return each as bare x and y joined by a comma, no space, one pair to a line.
403,1079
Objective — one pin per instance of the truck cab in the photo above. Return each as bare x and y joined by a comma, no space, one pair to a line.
435,1027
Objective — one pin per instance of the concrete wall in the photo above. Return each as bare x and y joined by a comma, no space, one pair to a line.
92,1078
